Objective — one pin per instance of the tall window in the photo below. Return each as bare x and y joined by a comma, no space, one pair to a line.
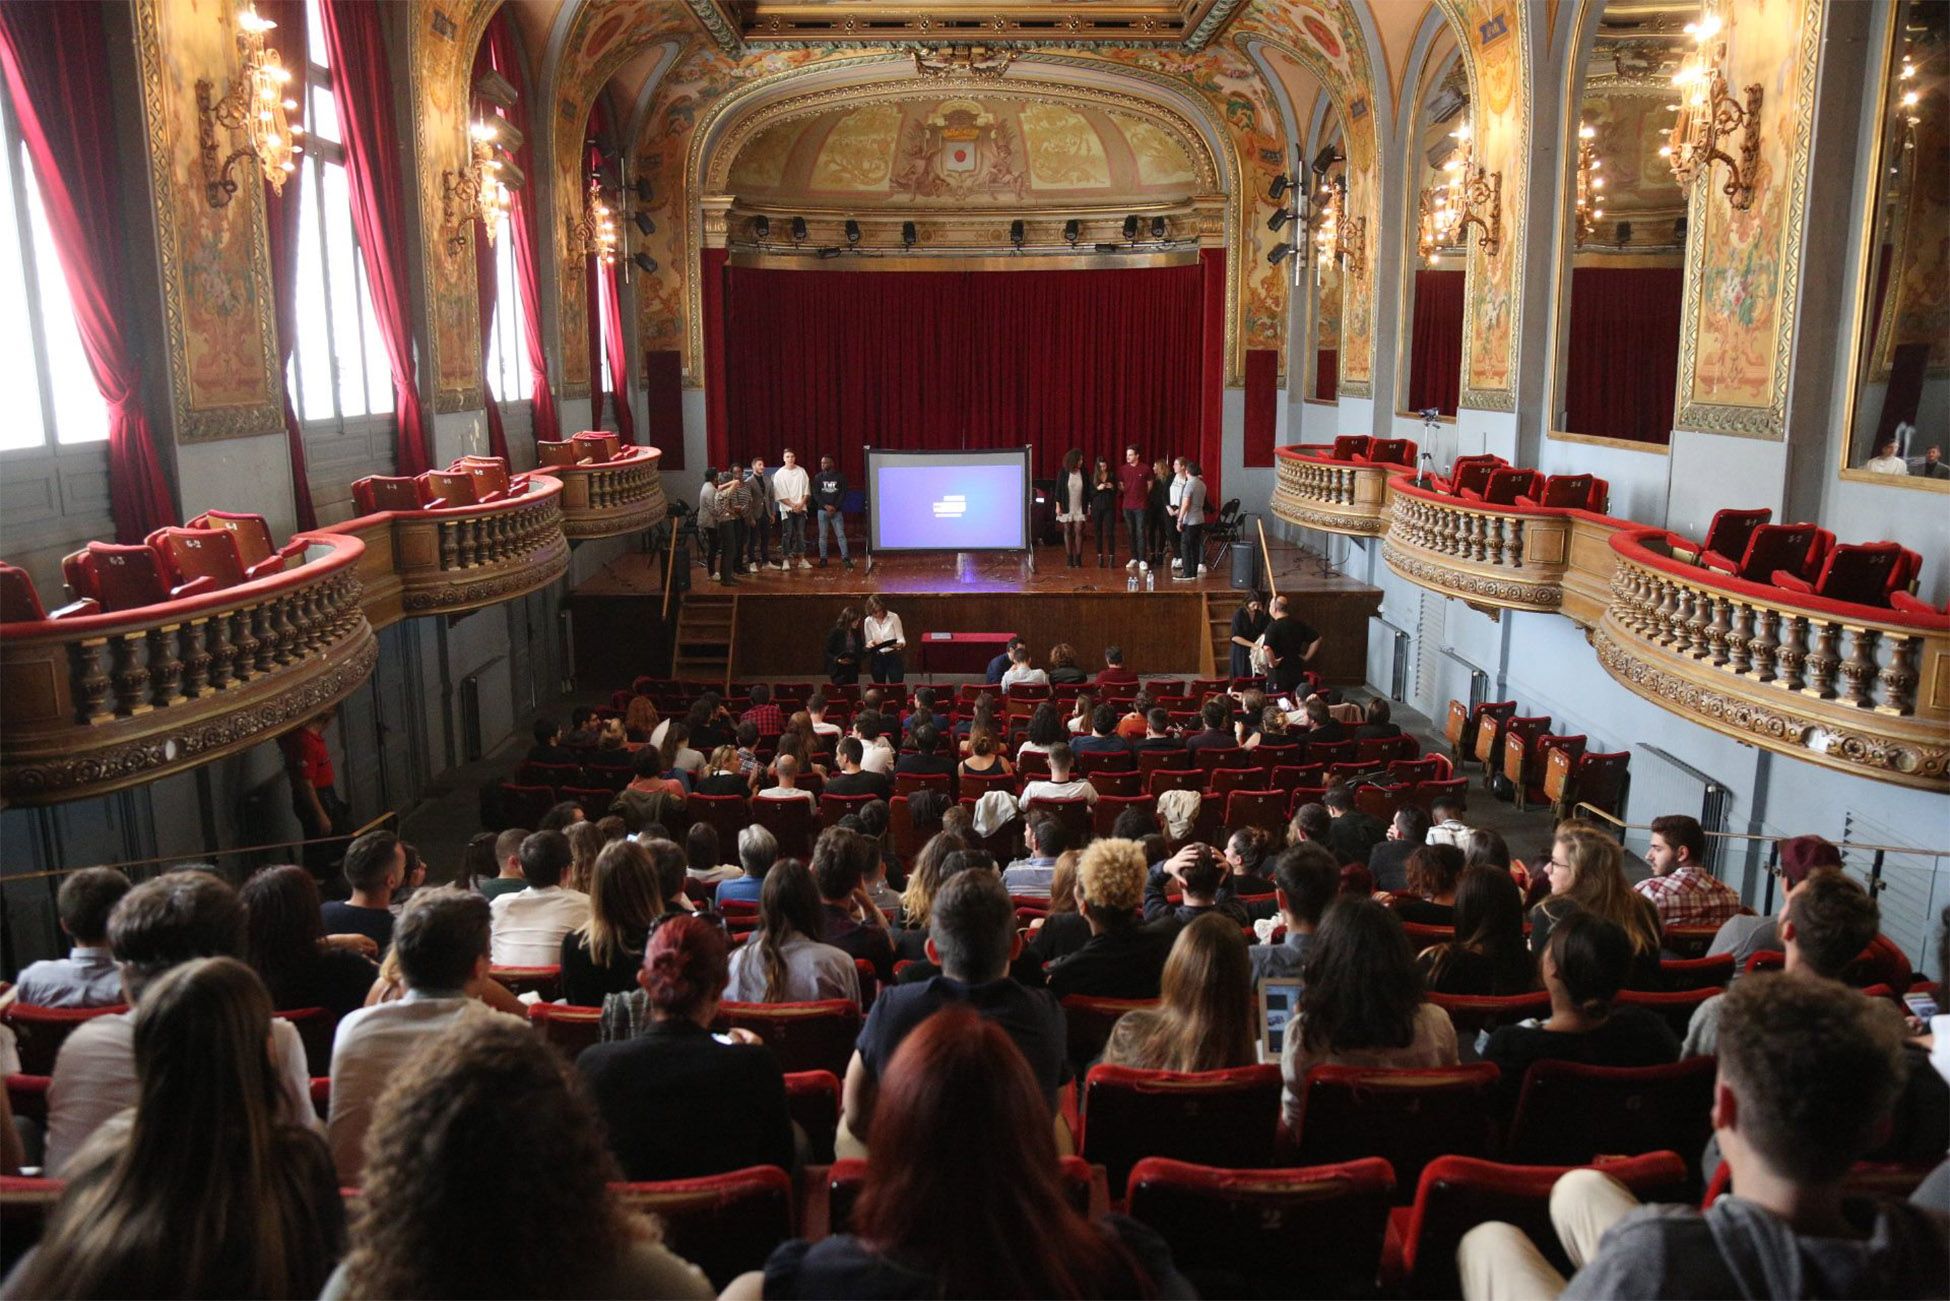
508,371
339,370
45,374
601,359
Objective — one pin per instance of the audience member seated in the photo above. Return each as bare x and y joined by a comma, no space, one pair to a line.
612,752
1744,936
758,850
1122,958
956,1082
441,950
1306,880
487,1115
675,1102
722,775
1045,730
972,935
1362,1004
659,770
203,1188
786,960
529,924
1322,727
375,868
1377,725
985,756
852,779
1352,834
1103,738
1683,891
1157,732
1431,898
1114,671
927,759
1202,1022
561,816
88,976
548,747
603,955
585,724
507,856
924,711
1000,664
285,944
640,719
1446,826
1044,839
840,862
1065,929
788,787
1408,831
1805,1086
1245,853
763,714
876,752
1204,883
1583,968
1587,873
1488,955
1276,741
924,880
1217,719
1063,669
1021,673
1060,785
1483,847
816,715
704,856
160,924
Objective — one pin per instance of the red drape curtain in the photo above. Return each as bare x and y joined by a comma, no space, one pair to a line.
281,217
1327,374
54,58
1262,407
1435,347
619,357
663,404
487,275
505,58
1623,358
362,87
826,361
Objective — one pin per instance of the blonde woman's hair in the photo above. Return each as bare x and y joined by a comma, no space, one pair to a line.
1201,1023
917,901
1598,884
624,898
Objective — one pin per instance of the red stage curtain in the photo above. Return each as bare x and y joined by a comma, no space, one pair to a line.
663,394
505,59
1327,374
281,227
1262,407
363,87
826,361
619,357
1435,352
54,58
1623,359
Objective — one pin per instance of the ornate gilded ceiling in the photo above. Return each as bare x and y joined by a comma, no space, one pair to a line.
1185,24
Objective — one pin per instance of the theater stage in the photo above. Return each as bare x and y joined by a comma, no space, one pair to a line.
779,619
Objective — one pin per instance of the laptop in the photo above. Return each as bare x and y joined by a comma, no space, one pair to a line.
1279,1001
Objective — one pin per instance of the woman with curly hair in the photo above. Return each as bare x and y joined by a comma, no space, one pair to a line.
1045,729
487,1115
1063,669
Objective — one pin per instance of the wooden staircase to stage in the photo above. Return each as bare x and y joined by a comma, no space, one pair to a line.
1216,653
706,637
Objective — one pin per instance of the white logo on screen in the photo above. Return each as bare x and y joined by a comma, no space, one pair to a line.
953,506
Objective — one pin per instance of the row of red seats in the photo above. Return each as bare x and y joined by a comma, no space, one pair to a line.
1541,766
469,481
1805,559
1493,481
590,447
1364,450
218,549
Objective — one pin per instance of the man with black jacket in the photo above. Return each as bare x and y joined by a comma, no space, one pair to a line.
1122,958
1352,834
828,492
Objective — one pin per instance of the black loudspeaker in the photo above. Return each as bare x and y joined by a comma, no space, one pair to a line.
1245,567
1042,514
680,581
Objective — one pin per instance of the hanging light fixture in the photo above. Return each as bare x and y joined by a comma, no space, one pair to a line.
1338,237
476,192
595,232
1468,195
256,105
1590,202
1709,116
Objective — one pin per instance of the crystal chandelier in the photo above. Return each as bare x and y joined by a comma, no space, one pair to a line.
255,105
1709,117
1468,195
477,192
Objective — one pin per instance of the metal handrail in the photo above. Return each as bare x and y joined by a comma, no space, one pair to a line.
125,864
1843,845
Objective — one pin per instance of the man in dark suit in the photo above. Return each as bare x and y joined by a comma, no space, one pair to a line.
1352,834
1389,859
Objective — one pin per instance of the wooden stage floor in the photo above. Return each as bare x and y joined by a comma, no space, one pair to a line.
782,616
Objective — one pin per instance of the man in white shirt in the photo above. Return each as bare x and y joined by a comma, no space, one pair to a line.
1019,671
816,707
1885,461
88,976
1059,786
529,924
792,488
1043,841
176,918
1175,494
876,755
441,944
787,769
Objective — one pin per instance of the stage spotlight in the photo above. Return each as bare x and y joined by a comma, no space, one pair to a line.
1679,230
909,234
761,227
645,263
1016,230
798,230
830,251
1278,220
852,232
1280,253
1325,159
1281,184
1158,228
643,190
1110,248
1072,232
1624,232
644,224
1131,226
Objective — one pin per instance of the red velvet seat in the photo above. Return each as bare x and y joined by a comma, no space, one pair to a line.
979,784
1392,451
1673,1006
40,1031
571,1029
552,775
1073,814
1427,768
1534,763
1795,549
1376,751
1103,814
20,603
1033,766
1116,783
1507,485
1173,779
1210,758
812,1099
1594,779
1088,1022
1313,1231
315,1027
1572,492
847,1177
1679,974
490,476
1150,761
728,814
793,823
1288,777
906,783
1863,573
815,1036
1486,736
1256,809
603,446
566,452
1410,1117
1570,1113
119,577
1471,1013
545,981
1905,603
259,552
1092,762
383,492
1224,1118
1351,447
440,488
1221,782
1464,723
724,1224
1457,1193
1520,734
1471,474
1730,532
191,554
1380,801
525,806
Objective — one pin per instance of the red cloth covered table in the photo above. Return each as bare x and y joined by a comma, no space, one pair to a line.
957,652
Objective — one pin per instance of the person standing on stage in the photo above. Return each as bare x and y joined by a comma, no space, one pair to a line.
1249,624
1103,512
885,641
1175,499
1072,505
734,501
758,518
828,491
844,648
792,488
708,520
1191,524
1133,497
1157,516
1290,643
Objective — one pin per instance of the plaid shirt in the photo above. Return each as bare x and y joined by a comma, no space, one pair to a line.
766,718
1691,896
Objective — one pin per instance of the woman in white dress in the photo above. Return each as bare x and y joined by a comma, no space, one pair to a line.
883,629
1073,505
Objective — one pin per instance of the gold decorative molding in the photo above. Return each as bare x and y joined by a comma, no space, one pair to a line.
1332,496
611,499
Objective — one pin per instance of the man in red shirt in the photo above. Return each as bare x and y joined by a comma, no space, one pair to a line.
764,715
314,799
1114,670
1133,489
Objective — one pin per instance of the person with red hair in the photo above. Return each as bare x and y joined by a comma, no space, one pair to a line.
955,1085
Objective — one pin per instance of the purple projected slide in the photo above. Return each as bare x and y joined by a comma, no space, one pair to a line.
941,502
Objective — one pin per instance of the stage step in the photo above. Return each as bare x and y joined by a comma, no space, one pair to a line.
706,636
1218,617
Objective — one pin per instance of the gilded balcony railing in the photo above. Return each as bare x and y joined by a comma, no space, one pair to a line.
1862,689
99,702
1317,492
604,499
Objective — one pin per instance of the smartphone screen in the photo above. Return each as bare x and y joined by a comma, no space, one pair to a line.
1921,1006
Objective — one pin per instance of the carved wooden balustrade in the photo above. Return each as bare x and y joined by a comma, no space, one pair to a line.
99,702
1317,492
1551,559
605,499
1858,688
460,558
